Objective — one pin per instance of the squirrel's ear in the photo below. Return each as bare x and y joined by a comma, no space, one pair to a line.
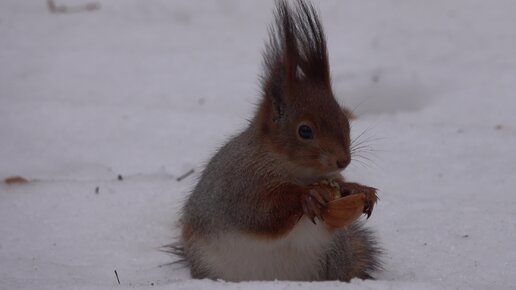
296,51
290,54
280,60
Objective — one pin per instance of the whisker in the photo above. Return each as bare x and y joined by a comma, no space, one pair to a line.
370,155
358,157
371,126
362,147
371,139
360,104
360,135
360,162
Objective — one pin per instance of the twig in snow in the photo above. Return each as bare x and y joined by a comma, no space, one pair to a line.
97,189
116,274
15,180
185,175
53,8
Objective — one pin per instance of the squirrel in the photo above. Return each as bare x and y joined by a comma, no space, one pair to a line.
257,211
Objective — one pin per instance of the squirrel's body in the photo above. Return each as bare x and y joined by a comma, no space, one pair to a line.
252,214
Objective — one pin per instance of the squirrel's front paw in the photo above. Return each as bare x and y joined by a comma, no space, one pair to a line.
370,201
315,200
348,188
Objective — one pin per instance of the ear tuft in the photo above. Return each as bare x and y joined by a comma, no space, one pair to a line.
296,51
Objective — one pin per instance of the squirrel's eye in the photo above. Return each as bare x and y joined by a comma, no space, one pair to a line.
305,132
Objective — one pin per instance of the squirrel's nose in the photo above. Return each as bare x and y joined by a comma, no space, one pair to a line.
341,164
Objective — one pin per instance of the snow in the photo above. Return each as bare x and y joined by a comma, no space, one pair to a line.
149,89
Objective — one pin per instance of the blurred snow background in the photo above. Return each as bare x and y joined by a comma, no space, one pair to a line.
147,89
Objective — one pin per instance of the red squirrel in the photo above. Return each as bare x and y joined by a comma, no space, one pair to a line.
257,210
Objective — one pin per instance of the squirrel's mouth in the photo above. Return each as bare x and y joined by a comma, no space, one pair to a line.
332,174
330,165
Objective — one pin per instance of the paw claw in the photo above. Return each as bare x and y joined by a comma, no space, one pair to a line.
368,208
315,202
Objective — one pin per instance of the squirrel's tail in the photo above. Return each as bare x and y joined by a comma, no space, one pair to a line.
355,254
177,249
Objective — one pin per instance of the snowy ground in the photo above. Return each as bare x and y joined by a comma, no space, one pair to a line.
148,89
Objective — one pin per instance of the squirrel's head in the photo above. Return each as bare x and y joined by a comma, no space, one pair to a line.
299,116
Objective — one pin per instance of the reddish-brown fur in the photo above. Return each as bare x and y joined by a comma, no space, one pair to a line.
284,203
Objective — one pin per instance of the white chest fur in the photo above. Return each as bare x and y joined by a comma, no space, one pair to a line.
296,256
